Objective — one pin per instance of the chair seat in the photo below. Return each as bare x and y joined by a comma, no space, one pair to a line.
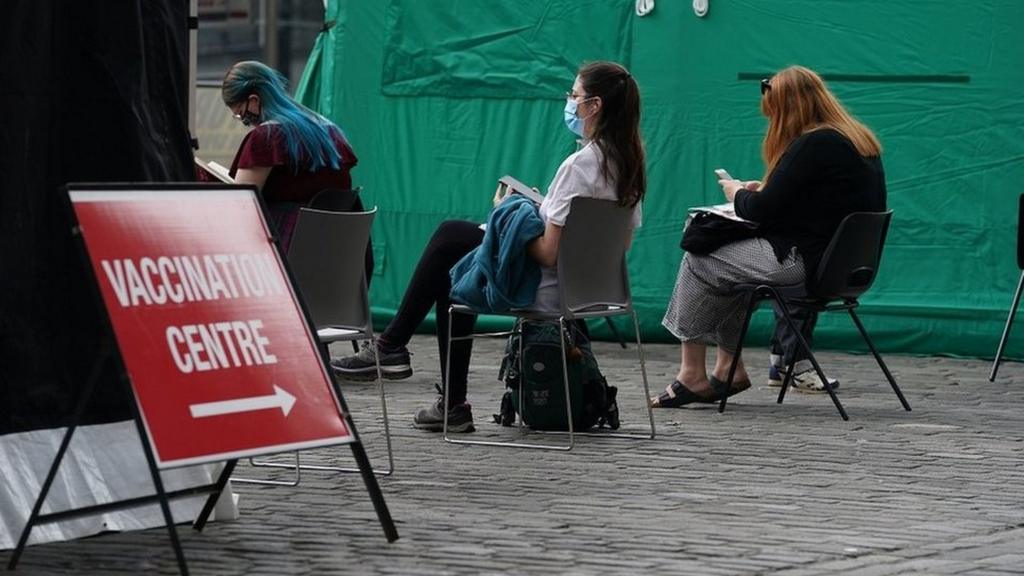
334,334
788,290
595,311
795,294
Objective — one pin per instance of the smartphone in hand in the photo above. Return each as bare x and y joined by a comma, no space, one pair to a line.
723,175
516,187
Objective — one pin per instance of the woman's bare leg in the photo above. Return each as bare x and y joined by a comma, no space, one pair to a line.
692,370
723,360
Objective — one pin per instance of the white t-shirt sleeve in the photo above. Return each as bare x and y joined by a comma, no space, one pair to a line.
579,175
570,181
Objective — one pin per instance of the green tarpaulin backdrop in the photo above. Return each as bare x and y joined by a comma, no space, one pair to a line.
442,97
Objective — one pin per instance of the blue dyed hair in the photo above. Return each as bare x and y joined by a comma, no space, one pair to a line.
306,133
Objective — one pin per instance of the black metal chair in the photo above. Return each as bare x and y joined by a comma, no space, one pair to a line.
1016,296
846,271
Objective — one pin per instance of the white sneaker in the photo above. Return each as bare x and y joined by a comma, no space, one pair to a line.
808,381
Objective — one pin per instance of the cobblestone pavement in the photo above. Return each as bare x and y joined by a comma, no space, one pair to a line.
764,488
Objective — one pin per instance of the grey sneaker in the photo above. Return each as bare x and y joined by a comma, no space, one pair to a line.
431,418
361,365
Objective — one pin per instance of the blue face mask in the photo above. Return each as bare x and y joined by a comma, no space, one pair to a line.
572,121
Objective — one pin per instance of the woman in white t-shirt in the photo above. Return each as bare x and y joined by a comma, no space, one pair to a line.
603,110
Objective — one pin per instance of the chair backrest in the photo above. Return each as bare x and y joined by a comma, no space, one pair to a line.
592,255
1020,232
326,258
850,262
336,200
344,200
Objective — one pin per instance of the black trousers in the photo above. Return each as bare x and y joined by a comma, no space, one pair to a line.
429,288
785,342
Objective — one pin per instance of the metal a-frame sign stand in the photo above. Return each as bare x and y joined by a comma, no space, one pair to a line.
111,353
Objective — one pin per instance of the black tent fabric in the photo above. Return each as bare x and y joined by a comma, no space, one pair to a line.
92,91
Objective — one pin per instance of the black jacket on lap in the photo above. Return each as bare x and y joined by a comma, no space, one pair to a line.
820,179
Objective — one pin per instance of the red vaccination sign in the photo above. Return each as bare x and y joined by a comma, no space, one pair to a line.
220,358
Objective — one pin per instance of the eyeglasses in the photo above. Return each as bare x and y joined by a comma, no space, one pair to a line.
572,96
766,85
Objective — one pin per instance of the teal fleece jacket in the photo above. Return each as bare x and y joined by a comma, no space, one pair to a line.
499,275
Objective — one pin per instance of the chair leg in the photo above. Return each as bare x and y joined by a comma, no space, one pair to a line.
751,306
1006,330
565,382
646,391
447,376
518,328
572,433
810,354
387,428
643,373
878,358
789,370
785,382
298,466
615,331
821,374
383,411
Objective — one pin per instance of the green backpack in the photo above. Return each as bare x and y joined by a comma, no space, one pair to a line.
593,400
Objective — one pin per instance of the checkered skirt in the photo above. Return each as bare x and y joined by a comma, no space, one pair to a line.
703,308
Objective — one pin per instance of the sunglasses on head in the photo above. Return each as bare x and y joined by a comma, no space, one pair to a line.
766,85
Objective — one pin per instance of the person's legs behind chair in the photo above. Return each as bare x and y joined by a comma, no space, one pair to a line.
786,349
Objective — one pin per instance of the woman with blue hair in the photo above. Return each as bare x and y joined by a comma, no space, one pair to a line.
291,153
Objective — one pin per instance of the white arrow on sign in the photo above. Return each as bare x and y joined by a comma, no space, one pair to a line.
279,399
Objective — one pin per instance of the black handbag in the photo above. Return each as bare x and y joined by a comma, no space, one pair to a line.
707,231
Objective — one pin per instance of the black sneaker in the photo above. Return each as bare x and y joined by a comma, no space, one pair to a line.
361,366
431,418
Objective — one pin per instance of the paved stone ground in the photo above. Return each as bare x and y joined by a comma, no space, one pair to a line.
762,489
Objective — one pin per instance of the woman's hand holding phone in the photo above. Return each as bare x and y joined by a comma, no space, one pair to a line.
500,193
729,184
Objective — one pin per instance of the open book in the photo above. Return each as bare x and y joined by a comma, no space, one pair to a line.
216,170
510,185
726,210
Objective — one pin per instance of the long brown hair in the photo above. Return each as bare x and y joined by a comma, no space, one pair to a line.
799,102
616,130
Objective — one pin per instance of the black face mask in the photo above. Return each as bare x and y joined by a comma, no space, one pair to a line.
248,118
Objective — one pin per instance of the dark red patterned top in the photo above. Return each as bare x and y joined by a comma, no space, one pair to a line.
289,187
